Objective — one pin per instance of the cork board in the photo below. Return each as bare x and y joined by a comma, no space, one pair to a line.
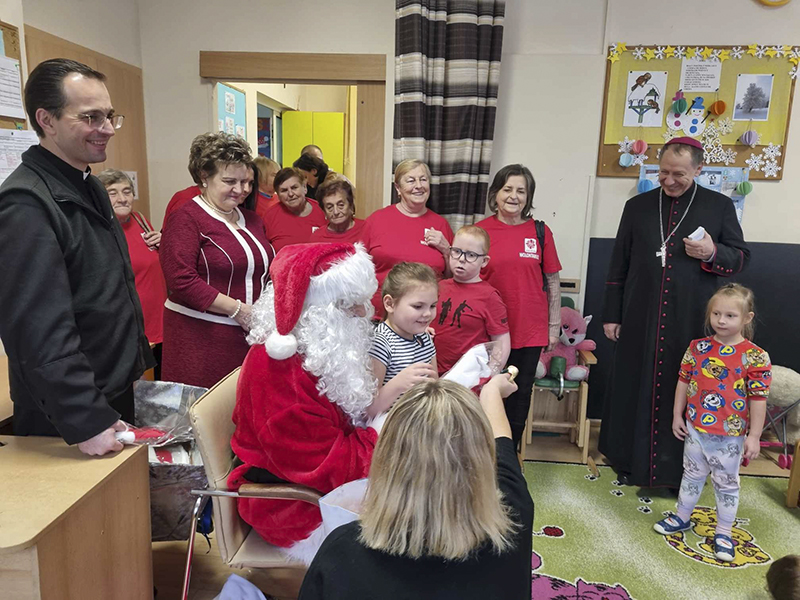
730,71
11,42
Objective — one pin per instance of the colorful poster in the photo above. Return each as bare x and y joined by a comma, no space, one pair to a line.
644,104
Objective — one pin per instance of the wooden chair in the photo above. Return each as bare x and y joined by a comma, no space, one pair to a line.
560,406
239,545
794,479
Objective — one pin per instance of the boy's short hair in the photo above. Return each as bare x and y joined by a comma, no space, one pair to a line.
477,232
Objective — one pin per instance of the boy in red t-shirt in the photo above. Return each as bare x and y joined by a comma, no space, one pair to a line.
471,311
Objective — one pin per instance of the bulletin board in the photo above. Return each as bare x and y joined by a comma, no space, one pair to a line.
10,35
736,100
231,111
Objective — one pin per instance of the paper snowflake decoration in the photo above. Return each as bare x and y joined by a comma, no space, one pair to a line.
625,146
725,126
658,154
679,52
778,50
794,72
613,49
669,134
638,159
793,53
755,162
638,53
697,53
728,157
715,54
772,152
659,53
737,52
761,51
771,168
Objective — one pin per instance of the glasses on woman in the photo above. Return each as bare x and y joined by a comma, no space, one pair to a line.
469,255
97,120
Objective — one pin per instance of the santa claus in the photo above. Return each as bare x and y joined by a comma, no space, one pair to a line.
304,388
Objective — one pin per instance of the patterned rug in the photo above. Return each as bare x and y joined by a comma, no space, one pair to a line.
594,539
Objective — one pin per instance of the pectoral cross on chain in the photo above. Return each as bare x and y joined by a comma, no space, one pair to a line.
663,254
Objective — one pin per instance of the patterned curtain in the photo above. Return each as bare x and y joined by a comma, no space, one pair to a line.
447,67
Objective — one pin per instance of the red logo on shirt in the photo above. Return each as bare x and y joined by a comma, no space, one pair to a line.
530,245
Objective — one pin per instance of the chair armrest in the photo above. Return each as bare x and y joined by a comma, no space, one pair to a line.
586,357
280,491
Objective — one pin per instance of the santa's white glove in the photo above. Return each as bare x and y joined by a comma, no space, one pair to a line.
377,422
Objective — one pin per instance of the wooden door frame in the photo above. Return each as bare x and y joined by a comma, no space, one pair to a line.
365,71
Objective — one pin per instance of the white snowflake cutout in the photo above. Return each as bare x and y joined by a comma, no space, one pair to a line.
697,53
794,72
638,53
718,154
638,159
658,154
771,168
778,50
737,52
679,52
659,52
728,157
613,49
669,133
625,146
725,126
794,54
772,151
761,51
755,162
715,54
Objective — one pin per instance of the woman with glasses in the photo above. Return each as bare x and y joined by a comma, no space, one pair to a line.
407,231
524,269
215,256
143,243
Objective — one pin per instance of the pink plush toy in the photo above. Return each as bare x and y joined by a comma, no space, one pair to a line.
572,339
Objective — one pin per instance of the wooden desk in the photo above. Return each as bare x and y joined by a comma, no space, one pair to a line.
73,526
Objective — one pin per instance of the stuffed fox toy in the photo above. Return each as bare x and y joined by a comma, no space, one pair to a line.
572,339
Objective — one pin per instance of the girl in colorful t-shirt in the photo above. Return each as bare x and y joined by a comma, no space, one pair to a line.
402,352
723,383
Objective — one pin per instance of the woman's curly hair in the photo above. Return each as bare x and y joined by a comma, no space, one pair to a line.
210,151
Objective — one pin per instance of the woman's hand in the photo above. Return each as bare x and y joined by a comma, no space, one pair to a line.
435,239
244,316
503,384
152,238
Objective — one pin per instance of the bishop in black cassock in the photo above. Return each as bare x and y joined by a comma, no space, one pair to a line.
656,292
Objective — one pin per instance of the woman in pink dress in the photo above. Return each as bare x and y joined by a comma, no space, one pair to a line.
215,257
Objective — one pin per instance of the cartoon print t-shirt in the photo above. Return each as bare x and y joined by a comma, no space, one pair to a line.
722,381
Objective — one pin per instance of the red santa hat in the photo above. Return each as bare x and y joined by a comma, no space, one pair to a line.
315,275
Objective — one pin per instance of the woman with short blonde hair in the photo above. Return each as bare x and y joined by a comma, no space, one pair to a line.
447,512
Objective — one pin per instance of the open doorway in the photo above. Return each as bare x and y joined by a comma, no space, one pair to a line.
324,78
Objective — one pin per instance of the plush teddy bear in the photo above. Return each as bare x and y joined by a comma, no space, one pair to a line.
784,390
572,339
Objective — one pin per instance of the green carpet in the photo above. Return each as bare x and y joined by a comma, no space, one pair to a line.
591,533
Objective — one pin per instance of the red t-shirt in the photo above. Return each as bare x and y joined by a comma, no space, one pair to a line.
351,236
179,199
285,228
723,380
392,237
469,314
149,280
515,270
264,203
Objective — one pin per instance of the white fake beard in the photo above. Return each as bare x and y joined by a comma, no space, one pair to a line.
335,348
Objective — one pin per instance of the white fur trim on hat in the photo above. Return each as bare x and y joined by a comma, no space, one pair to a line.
350,281
280,347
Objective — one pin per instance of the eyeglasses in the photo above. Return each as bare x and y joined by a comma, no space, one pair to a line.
97,120
469,256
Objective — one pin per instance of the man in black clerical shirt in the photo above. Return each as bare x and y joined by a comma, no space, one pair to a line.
70,318
658,284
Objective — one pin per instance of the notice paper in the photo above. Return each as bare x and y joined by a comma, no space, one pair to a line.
12,144
699,75
10,89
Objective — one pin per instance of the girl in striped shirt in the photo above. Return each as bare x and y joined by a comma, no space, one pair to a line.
402,352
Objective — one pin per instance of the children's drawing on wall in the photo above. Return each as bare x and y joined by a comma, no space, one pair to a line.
692,122
753,93
230,103
644,106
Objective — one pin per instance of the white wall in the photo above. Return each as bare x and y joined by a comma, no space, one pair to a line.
551,93
110,27
177,101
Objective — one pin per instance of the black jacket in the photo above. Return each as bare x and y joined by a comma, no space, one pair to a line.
70,318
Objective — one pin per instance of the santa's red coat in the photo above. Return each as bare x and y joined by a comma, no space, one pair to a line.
284,425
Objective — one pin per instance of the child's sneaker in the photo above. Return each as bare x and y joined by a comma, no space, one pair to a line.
671,525
723,548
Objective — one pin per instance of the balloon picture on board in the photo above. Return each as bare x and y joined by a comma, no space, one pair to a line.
644,105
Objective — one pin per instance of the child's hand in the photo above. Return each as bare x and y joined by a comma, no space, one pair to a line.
430,331
752,447
414,374
679,428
